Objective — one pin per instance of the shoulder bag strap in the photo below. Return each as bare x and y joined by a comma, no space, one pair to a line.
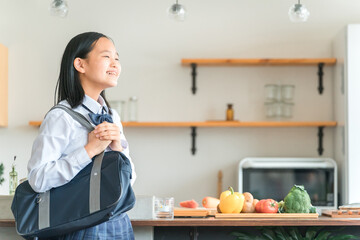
76,116
95,177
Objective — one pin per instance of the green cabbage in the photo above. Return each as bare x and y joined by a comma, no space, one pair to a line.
297,200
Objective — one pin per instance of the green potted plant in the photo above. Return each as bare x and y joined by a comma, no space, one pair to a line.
293,233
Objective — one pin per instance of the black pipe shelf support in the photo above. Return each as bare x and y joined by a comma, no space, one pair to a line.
193,140
193,74
320,140
321,74
320,137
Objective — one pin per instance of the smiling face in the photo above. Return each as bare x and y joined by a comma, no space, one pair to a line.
100,69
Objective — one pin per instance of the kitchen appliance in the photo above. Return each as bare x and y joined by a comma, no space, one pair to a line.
274,177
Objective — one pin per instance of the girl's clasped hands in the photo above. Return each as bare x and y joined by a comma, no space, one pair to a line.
104,135
109,132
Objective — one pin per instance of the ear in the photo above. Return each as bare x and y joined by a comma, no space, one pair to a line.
79,65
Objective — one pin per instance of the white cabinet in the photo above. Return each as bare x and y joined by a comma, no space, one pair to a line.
346,49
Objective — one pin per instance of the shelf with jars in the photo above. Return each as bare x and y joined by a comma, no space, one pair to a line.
320,125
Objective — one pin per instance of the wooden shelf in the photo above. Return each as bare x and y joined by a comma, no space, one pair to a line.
35,123
220,124
229,124
195,125
211,221
197,222
258,61
319,62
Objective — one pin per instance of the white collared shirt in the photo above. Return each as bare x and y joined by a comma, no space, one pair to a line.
58,152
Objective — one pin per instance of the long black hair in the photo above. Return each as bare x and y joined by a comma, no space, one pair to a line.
68,86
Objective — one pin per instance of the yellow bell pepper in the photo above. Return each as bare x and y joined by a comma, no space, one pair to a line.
231,202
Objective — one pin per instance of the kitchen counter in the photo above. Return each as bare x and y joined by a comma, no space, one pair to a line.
211,228
211,221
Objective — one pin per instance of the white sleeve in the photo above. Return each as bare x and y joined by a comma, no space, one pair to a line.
48,166
126,151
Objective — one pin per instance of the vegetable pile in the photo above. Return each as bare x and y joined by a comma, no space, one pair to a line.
296,201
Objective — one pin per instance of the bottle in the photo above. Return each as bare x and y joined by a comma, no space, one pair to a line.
133,109
13,181
230,113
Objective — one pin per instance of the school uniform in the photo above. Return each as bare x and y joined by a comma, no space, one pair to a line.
59,154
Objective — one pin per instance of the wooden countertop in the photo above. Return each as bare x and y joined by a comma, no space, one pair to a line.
211,221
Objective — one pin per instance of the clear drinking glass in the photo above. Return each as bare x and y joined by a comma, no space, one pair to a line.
164,207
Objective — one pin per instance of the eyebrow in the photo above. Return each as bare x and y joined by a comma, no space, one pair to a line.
109,52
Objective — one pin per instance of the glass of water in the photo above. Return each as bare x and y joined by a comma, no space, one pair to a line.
164,207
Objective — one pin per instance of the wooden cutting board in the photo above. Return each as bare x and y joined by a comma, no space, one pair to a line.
342,213
193,212
266,215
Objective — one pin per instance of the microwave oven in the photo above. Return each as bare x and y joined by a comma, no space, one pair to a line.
274,177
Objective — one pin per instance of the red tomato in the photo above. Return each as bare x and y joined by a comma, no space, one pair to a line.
266,206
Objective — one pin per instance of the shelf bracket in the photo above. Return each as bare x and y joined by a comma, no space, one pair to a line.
320,74
193,74
193,140
320,136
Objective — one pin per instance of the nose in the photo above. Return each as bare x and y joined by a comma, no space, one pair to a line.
115,63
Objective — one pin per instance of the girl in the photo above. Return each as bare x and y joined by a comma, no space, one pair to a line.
90,64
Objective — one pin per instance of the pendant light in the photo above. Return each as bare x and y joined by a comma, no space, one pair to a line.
177,12
298,13
59,8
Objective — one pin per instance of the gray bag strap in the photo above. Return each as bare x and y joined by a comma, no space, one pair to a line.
95,178
44,210
76,116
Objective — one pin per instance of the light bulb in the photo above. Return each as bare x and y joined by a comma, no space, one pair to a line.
177,12
298,13
59,8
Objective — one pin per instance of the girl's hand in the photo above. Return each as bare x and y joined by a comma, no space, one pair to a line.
95,145
109,132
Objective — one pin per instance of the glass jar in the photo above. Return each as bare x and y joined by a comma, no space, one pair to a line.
119,106
133,109
273,109
272,93
287,93
287,109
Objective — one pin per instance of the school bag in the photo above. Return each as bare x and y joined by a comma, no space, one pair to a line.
98,193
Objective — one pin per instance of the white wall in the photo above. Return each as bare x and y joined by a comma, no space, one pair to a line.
151,47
